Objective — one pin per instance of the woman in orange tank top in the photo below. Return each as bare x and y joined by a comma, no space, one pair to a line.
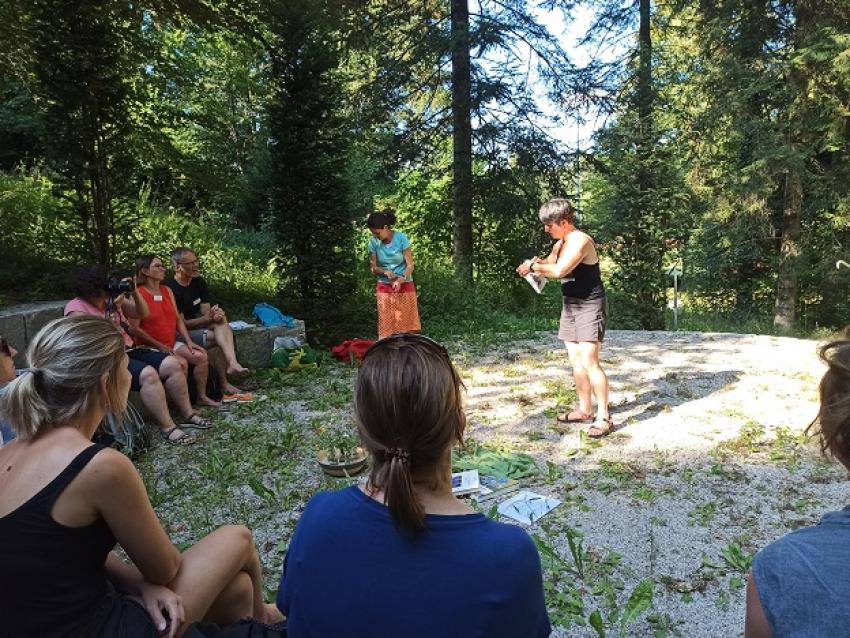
160,328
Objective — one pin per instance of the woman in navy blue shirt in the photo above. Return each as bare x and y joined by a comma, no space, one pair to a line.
423,564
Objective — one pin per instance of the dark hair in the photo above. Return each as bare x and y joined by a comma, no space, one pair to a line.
87,281
832,423
379,220
557,210
407,403
144,263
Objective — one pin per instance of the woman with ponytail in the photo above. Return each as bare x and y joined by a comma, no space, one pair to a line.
391,259
423,563
65,503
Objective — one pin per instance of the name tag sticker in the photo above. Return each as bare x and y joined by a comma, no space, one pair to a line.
197,302
157,297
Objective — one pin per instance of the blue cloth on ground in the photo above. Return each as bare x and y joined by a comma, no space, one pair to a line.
802,580
268,315
350,572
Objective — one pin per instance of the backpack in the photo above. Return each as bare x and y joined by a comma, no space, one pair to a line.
294,358
268,315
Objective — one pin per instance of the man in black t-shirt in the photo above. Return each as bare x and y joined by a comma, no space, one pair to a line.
207,323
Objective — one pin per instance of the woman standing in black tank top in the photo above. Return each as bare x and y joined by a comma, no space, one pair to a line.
64,503
584,314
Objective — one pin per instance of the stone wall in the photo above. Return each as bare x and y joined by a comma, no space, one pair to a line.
19,324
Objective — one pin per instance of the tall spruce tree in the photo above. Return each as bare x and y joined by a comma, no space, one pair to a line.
310,215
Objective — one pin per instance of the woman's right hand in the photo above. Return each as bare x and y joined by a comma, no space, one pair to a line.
164,607
389,274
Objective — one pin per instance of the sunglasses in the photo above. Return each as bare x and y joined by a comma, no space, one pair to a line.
4,347
404,338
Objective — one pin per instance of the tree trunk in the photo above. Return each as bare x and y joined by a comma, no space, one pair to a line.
789,251
462,141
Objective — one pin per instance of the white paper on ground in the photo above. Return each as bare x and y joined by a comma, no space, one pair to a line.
241,325
528,507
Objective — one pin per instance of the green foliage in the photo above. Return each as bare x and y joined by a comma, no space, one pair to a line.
310,217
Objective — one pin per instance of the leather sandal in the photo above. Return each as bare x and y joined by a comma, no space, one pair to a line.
184,439
576,416
197,422
601,428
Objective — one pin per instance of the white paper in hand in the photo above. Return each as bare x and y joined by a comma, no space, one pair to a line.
536,281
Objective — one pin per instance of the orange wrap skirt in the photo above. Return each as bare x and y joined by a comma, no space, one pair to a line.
397,310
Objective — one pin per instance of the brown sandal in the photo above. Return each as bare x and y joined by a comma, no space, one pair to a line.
598,430
576,416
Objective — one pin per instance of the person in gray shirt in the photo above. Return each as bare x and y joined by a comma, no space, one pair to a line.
798,586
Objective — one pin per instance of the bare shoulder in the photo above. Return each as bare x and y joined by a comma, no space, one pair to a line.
110,467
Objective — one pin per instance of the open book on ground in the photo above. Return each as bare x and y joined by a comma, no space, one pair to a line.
528,507
465,482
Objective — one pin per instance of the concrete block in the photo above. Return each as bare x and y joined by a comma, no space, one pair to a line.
254,346
36,316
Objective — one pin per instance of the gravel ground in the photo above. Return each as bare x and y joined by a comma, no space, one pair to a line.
707,465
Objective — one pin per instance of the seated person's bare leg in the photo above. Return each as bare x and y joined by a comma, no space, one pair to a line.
198,358
217,363
220,579
173,372
221,335
152,393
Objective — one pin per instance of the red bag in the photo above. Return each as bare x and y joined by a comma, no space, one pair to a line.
352,349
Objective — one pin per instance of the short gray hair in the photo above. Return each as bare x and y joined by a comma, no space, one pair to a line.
557,210
179,253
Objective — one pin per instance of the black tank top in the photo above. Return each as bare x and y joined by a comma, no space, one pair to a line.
584,282
52,577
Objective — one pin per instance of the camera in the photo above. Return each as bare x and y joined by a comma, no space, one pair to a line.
117,286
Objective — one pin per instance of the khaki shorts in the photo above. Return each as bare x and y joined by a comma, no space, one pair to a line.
583,319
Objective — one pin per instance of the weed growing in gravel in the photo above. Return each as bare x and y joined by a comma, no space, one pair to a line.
702,515
586,579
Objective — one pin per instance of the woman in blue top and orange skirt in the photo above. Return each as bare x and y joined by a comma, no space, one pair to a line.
391,259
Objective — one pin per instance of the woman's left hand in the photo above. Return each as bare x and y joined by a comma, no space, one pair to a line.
164,607
397,282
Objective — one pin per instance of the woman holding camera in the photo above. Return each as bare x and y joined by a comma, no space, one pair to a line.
152,371
159,329
425,563
64,503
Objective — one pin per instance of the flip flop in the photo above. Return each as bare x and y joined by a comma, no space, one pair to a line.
241,397
576,416
602,428
197,422
184,439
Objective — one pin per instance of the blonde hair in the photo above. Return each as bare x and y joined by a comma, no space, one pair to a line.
68,357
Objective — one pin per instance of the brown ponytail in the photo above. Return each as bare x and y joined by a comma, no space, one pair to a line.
407,402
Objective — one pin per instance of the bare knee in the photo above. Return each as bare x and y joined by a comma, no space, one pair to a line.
173,365
237,536
149,378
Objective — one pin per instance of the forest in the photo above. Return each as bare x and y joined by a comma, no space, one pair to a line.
262,133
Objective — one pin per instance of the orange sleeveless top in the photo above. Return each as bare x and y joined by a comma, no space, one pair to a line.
161,323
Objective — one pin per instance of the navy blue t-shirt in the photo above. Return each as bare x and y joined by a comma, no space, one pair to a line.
350,572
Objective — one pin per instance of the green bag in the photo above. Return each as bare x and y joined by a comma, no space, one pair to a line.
294,359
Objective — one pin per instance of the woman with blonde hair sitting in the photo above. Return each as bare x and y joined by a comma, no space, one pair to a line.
425,564
65,503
